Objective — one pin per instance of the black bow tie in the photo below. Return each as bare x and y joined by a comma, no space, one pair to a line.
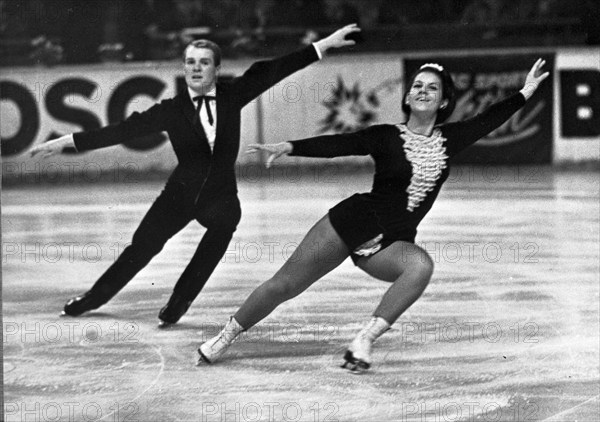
198,100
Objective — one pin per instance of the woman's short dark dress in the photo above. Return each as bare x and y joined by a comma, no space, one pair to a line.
409,172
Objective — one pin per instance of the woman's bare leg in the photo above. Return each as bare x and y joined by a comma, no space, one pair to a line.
320,251
408,267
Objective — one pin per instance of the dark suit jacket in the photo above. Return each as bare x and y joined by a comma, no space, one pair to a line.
202,173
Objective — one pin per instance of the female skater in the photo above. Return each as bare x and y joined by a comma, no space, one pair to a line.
377,229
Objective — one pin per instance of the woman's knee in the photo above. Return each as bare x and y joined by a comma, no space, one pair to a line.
414,261
428,263
422,266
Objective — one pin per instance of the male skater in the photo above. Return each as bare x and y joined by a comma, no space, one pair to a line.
203,123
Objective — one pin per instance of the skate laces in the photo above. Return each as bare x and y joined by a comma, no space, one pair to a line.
228,334
374,329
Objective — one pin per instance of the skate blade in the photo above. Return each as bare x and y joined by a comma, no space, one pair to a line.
202,360
164,324
355,366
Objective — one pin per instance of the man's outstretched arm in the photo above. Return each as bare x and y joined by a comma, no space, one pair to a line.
264,74
136,125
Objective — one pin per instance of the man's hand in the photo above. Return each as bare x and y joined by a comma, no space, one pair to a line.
338,38
275,150
534,78
53,147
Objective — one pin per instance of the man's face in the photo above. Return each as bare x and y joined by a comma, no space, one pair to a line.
200,70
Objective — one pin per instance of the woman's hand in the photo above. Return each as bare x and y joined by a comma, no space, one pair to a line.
275,150
53,147
338,38
534,78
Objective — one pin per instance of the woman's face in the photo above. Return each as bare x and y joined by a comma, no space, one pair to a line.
425,94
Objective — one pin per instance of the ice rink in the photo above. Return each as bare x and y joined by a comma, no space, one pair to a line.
507,330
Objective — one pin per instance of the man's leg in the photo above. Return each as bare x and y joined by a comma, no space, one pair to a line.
220,218
166,217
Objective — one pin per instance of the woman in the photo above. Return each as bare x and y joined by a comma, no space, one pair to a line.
377,229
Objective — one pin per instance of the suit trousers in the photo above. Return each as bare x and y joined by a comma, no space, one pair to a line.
171,212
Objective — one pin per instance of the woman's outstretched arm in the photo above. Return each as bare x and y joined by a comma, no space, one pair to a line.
465,133
361,142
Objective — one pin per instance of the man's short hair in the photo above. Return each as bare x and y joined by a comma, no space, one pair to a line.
212,46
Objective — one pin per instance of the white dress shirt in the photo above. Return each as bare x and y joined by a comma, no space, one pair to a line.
209,130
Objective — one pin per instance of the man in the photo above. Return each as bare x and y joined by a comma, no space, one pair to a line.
203,123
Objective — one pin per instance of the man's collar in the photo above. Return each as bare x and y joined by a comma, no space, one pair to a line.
192,93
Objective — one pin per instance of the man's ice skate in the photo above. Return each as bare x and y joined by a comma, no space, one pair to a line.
358,356
213,349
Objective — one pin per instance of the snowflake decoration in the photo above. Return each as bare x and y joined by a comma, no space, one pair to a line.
350,110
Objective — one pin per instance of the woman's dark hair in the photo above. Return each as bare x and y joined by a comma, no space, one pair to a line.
212,46
448,90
